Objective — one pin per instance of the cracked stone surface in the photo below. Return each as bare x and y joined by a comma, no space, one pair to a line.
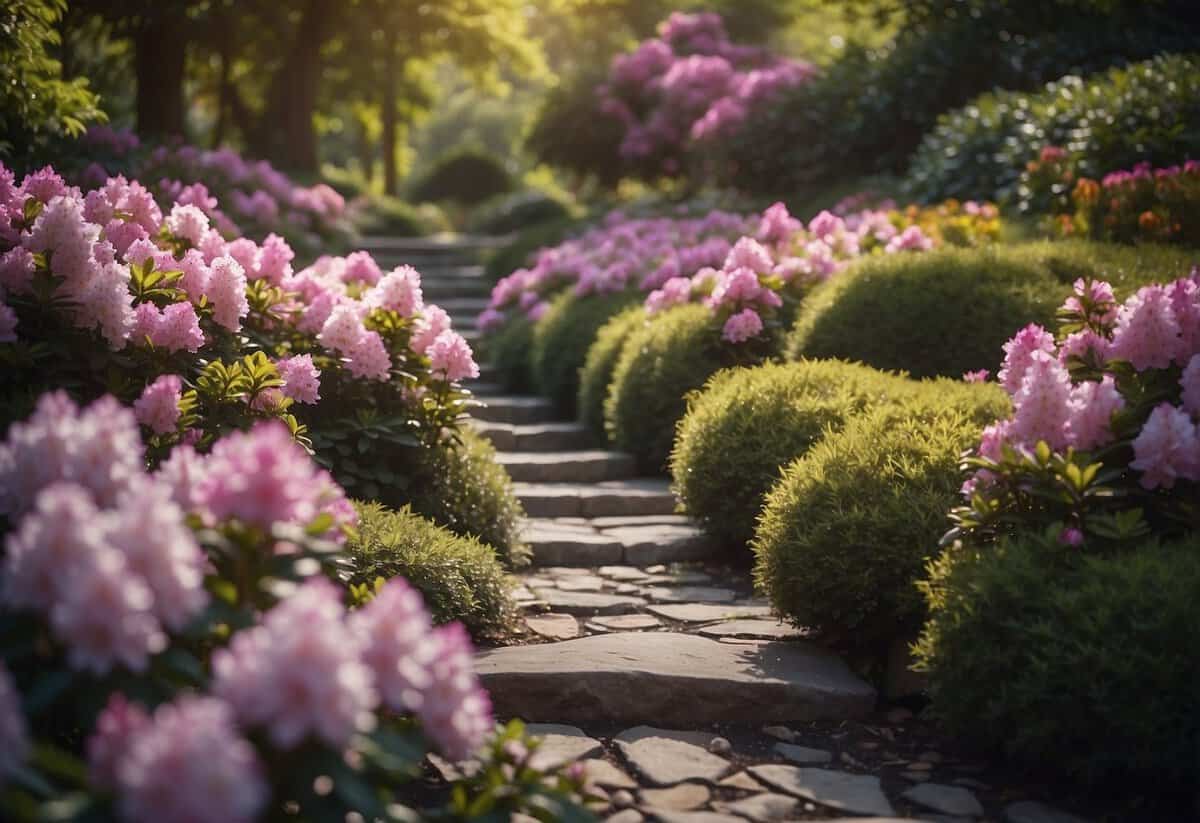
854,793
666,757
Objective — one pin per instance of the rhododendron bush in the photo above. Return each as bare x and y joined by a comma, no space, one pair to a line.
745,268
185,635
107,293
688,87
1103,444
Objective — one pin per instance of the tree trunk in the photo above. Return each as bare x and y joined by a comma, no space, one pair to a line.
160,53
391,182
225,79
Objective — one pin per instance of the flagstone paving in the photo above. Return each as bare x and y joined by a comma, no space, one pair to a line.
658,669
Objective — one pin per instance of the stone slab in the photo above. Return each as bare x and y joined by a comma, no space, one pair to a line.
603,773
671,679
514,409
802,755
753,630
690,594
566,466
588,604
648,545
618,498
953,800
624,623
762,807
553,626
854,793
706,612
665,757
571,547
560,744
680,798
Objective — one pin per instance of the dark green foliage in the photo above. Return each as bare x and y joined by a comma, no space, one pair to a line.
518,253
571,134
392,216
748,424
466,177
562,338
507,349
660,362
1149,111
601,361
943,312
460,578
869,110
464,489
1086,664
517,212
845,533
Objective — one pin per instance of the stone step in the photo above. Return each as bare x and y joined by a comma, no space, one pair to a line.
487,373
616,498
515,409
535,437
434,291
455,244
593,466
481,388
671,679
435,271
630,541
464,306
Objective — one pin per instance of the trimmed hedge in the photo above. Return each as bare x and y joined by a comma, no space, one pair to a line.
747,424
460,578
845,533
596,374
507,349
660,362
561,340
1086,664
1148,111
466,177
516,212
463,488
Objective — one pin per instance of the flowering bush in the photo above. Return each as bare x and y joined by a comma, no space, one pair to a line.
183,632
1140,204
689,86
1102,445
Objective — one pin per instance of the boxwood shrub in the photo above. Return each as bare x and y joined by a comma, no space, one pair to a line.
466,177
460,578
1082,663
747,424
462,487
507,349
1147,111
845,533
660,362
596,374
517,211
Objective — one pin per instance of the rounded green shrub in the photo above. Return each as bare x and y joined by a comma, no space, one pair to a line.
462,487
1081,663
460,578
600,363
520,251
942,312
747,424
507,349
561,340
846,532
660,362
466,177
517,211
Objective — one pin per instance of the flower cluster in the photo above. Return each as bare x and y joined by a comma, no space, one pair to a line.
690,85
126,574
1118,389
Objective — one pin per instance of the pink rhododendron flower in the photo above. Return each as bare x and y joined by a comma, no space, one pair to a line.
298,674
1190,383
742,326
450,356
778,225
399,291
16,270
189,764
1086,345
361,267
344,328
749,254
116,727
489,320
14,735
187,223
1018,353
1167,449
227,292
182,474
1070,536
979,376
301,379
456,712
368,358
432,322
1092,406
1147,330
158,407
675,292
273,262
1099,294
911,239
398,644
45,184
1041,406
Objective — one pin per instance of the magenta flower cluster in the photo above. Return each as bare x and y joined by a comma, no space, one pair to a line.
691,85
1156,333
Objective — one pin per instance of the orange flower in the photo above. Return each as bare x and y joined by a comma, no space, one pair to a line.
1149,222
1086,192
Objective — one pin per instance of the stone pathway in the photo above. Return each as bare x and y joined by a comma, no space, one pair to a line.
657,669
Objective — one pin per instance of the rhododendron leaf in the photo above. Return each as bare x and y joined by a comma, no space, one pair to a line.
323,523
1043,452
32,208
46,690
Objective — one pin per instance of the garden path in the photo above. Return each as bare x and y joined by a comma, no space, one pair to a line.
656,667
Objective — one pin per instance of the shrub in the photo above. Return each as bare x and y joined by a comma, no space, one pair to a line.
949,311
393,216
507,259
1149,111
561,340
846,531
465,177
570,133
459,577
507,349
661,362
747,424
463,488
518,211
1083,663
600,363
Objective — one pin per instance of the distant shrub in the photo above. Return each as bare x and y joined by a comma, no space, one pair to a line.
846,532
465,177
1082,663
518,253
600,363
660,362
561,340
460,578
392,216
746,425
1149,111
507,349
508,213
